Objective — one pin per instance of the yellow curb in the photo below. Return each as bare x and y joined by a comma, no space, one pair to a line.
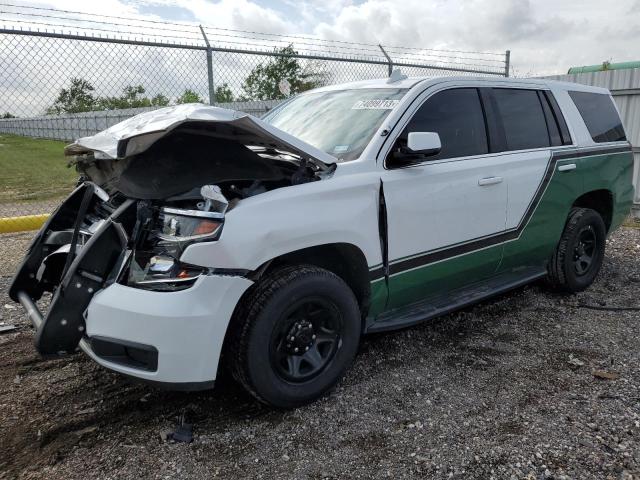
22,224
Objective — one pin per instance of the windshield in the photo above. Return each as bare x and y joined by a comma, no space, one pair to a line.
340,122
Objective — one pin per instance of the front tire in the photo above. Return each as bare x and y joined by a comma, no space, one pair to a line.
580,252
294,335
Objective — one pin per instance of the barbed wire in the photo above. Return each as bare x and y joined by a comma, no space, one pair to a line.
58,17
165,22
184,29
125,32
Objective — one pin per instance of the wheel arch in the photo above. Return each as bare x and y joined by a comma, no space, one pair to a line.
599,200
345,260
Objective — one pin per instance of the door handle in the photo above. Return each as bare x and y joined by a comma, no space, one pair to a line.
567,167
483,182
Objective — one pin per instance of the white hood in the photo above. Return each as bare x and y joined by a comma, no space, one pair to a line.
136,134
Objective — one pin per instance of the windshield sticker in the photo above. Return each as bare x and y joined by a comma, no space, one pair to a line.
340,148
375,104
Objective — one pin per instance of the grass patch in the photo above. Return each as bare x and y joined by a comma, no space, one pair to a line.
33,169
631,222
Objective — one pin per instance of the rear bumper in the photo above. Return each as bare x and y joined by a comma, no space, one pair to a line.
186,329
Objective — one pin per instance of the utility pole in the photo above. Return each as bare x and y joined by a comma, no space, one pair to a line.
388,59
507,62
212,95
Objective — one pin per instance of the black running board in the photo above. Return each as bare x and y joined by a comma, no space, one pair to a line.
429,308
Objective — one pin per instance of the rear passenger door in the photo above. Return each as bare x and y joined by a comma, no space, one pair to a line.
532,127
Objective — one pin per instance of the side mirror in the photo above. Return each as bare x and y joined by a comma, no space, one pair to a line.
424,143
418,146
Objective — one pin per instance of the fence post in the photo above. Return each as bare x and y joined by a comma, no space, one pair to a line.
507,62
388,59
212,95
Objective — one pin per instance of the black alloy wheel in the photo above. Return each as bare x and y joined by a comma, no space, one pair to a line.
580,252
293,335
585,250
306,339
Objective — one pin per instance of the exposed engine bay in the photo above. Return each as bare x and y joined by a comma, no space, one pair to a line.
177,165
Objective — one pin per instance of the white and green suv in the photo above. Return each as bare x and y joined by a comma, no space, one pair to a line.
201,237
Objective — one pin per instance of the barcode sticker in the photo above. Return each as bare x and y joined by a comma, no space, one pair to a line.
375,104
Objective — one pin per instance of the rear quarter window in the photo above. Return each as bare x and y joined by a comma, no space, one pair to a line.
600,116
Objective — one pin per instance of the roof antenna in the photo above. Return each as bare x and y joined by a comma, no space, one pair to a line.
396,76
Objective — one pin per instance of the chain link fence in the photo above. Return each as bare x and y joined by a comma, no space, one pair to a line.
67,74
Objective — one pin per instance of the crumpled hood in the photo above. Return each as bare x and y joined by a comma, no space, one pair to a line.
136,134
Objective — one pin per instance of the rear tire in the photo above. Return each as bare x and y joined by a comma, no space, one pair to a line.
580,252
293,337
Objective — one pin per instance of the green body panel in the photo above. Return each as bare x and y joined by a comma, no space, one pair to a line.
378,299
613,173
441,277
541,235
535,245
600,172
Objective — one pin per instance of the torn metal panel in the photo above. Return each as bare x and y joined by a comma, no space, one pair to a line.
137,134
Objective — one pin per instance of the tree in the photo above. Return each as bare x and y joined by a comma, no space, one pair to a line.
223,94
131,98
77,98
189,96
263,83
160,100
7,115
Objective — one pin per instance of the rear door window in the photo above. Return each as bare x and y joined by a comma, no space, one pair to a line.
522,117
600,116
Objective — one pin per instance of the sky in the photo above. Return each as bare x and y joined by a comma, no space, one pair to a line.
544,36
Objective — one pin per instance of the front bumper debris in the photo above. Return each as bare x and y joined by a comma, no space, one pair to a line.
74,277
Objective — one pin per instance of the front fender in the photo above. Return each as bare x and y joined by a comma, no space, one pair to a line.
260,228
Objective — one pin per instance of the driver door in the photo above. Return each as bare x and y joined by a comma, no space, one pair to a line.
443,209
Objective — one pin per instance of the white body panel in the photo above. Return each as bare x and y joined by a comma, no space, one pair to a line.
341,209
187,327
441,203
524,172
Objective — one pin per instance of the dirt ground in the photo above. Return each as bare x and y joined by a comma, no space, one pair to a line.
511,388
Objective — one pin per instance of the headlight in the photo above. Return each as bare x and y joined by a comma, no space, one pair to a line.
180,225
155,264
162,273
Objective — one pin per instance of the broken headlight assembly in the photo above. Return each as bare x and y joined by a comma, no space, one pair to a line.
181,226
157,265
162,273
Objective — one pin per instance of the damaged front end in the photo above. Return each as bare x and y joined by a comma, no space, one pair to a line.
74,255
150,187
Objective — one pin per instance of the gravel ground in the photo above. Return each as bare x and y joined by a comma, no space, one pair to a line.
17,209
12,249
507,389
